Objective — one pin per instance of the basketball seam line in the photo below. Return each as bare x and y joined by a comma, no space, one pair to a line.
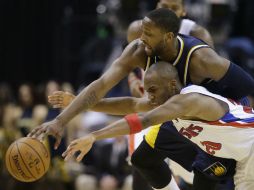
37,153
17,176
24,162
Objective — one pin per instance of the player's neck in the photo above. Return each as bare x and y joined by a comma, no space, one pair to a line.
171,51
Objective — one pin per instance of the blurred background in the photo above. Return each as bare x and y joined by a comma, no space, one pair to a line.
49,45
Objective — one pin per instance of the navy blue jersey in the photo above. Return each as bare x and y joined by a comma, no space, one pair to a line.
187,45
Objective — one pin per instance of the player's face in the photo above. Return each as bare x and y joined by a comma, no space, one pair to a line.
174,5
152,37
158,90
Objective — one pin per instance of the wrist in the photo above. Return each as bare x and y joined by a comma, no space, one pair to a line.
96,135
60,121
134,123
93,137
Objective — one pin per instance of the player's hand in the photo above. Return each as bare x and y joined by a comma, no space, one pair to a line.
136,86
60,99
54,128
82,145
137,89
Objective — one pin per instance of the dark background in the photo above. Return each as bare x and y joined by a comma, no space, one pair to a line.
41,39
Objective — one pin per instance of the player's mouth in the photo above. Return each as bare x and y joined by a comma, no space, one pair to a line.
147,47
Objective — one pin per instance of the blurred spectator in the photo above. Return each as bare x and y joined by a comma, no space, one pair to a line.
240,45
105,166
31,114
110,166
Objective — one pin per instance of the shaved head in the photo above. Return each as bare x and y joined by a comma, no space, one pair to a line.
164,70
161,82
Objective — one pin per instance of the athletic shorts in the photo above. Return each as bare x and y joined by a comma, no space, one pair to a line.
166,138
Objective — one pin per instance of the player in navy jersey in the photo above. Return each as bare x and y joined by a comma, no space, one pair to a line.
187,27
159,38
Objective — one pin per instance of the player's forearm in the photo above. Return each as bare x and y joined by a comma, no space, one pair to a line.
116,106
85,100
172,109
121,127
115,129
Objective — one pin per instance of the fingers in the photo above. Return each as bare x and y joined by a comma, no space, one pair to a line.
58,141
70,151
80,156
38,131
56,99
83,145
60,99
70,148
84,152
70,154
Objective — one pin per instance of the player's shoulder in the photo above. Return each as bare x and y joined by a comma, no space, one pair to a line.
135,24
186,21
134,30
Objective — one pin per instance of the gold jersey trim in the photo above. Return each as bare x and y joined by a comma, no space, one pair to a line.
188,60
148,63
180,52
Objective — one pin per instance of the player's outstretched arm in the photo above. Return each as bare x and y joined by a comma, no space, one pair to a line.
134,123
179,106
113,106
133,56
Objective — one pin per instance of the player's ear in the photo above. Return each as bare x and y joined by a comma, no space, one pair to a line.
169,36
173,85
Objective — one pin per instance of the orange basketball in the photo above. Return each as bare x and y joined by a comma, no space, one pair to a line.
27,159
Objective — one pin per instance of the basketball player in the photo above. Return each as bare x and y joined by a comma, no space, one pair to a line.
209,120
187,27
196,64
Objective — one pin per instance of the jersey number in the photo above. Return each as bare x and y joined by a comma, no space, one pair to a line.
191,131
211,147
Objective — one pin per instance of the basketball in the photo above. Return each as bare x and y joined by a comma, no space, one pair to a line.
27,159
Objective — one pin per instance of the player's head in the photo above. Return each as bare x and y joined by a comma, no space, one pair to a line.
134,30
161,82
175,5
159,28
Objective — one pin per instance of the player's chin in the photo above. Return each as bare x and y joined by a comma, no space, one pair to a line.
149,52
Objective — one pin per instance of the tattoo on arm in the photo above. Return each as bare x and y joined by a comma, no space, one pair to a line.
88,102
